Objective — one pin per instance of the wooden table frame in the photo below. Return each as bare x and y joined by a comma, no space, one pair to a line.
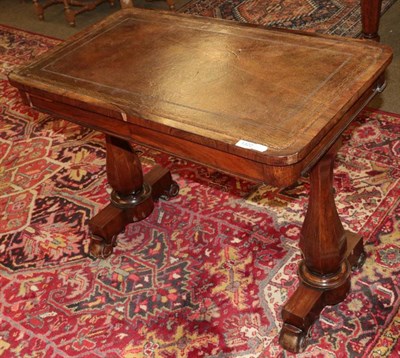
180,128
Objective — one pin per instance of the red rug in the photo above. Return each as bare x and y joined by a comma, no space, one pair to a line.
206,274
335,17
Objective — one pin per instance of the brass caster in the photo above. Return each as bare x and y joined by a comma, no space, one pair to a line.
99,248
172,190
360,262
292,338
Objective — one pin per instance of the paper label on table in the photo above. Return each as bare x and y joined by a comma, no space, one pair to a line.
250,145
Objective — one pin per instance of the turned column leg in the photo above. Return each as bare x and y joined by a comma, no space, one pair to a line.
370,17
323,241
327,249
132,198
171,4
69,13
38,9
126,4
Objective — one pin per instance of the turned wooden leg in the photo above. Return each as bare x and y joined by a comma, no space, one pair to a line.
132,198
38,9
126,4
328,254
69,13
171,4
370,17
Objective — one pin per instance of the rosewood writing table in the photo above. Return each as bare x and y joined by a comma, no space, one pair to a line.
267,105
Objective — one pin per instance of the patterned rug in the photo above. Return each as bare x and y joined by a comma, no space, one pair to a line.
336,17
206,274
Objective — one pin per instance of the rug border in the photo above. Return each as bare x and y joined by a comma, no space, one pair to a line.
10,27
381,111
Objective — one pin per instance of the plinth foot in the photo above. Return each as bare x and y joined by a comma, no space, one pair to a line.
112,220
306,304
355,251
99,248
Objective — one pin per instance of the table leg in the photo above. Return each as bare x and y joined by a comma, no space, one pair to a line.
126,4
171,4
132,198
328,254
370,16
39,8
82,6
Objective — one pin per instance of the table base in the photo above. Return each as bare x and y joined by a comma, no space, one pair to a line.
328,250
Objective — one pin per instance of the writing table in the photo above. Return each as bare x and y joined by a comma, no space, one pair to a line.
266,105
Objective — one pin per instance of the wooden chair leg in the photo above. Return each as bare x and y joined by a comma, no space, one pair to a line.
171,4
38,9
68,13
126,3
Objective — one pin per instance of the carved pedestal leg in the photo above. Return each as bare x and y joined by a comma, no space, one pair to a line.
328,254
370,16
132,197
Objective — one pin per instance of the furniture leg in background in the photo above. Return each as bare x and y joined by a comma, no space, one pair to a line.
370,16
126,3
69,5
39,8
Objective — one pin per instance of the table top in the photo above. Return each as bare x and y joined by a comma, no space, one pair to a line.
232,86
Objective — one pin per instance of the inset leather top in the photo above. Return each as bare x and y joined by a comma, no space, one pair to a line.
225,84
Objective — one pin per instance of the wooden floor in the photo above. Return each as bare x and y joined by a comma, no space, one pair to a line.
20,14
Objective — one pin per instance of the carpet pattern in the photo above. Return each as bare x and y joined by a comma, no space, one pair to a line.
206,274
335,17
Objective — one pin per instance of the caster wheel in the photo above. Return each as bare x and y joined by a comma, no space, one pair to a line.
292,338
360,261
173,190
99,249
